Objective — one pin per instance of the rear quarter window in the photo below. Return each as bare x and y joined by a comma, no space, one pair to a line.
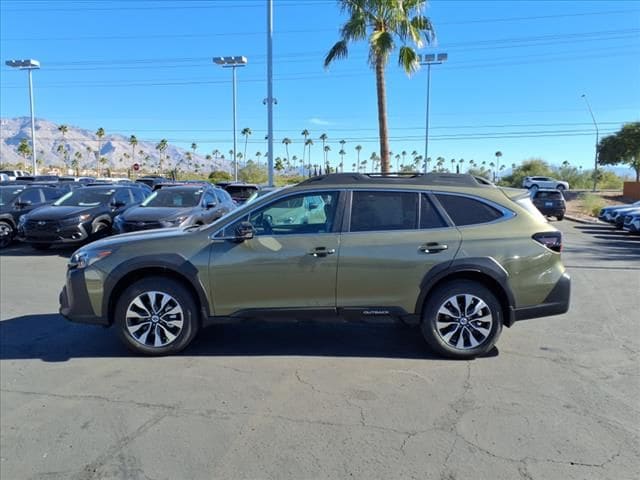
468,211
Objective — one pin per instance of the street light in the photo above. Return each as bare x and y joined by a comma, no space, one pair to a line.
29,65
232,63
429,59
595,163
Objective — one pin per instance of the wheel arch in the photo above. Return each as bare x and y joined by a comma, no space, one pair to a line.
181,271
485,271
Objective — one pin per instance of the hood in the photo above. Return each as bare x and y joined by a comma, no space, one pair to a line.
146,235
147,214
50,212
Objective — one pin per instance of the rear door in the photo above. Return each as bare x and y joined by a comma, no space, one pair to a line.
391,240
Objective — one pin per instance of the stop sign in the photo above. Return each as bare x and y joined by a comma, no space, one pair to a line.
136,166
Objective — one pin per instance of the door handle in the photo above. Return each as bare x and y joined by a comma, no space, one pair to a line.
322,252
432,247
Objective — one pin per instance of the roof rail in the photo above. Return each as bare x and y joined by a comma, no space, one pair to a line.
406,178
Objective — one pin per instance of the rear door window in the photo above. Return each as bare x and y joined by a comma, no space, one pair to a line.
30,196
429,215
468,211
380,211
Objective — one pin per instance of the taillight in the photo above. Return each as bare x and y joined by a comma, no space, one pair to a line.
551,240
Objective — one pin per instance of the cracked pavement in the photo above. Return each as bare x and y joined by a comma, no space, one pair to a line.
558,399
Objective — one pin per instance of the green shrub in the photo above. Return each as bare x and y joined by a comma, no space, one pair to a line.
592,204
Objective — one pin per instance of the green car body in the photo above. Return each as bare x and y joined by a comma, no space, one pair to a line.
349,245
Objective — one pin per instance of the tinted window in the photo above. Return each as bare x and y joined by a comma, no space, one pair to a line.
208,198
31,195
374,211
8,193
51,194
468,211
174,197
429,216
241,192
550,195
123,196
85,197
220,196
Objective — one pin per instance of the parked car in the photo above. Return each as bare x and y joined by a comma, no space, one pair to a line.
176,206
14,174
544,182
550,203
618,218
241,192
82,215
632,223
18,200
607,214
4,178
441,251
152,181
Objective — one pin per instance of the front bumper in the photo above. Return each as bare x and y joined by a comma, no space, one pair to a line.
556,303
75,304
55,234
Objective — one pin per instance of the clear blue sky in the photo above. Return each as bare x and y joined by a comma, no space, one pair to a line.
144,68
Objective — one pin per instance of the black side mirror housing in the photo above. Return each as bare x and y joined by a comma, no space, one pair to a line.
117,204
23,204
244,231
209,205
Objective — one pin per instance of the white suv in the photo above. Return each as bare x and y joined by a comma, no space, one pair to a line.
544,182
14,174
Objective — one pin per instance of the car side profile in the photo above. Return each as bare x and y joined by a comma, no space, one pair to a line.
172,206
535,183
444,252
84,214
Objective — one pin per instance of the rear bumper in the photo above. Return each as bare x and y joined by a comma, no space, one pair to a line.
75,304
556,303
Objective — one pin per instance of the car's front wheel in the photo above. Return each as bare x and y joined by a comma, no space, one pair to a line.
6,234
561,188
462,319
156,316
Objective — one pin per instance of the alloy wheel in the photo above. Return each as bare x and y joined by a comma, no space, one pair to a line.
154,319
464,321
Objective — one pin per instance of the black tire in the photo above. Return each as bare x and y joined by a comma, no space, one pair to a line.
41,246
560,188
7,232
101,230
436,326
560,217
159,327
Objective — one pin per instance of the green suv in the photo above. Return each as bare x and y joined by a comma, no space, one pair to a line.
456,256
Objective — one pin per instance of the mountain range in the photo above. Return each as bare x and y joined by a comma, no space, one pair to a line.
115,148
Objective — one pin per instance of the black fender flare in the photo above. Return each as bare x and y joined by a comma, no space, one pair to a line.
472,266
104,218
172,264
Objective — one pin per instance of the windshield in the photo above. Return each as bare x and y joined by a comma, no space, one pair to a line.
242,192
85,197
7,194
176,198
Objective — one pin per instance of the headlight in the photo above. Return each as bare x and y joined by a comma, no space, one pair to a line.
22,220
175,221
86,258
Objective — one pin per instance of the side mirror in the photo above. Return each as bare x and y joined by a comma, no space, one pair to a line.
244,231
117,204
210,205
23,204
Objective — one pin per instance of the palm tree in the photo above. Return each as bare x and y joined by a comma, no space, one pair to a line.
358,149
286,142
353,166
162,147
258,155
305,133
246,131
278,165
380,22
75,163
342,153
133,141
100,135
397,162
324,139
326,150
404,154
498,155
461,164
453,165
308,143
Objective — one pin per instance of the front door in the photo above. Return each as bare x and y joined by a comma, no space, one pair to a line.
394,238
291,263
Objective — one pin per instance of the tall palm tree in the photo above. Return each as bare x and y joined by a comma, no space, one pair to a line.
246,131
308,143
404,154
397,162
258,155
453,165
498,155
133,141
286,142
342,153
326,149
381,22
100,135
161,147
461,164
305,133
324,139
358,150
75,163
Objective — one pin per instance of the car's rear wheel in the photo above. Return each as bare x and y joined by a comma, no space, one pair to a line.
462,319
156,316
6,234
560,187
534,187
560,217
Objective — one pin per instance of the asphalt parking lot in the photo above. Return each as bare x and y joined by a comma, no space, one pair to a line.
557,399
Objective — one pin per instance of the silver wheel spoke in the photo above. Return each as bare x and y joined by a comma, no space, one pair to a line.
173,311
157,341
170,336
444,310
483,331
450,334
133,329
479,307
472,340
173,323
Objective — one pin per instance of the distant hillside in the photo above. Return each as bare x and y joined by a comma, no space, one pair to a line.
115,148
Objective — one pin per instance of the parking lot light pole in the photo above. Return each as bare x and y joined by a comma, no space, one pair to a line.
595,162
233,63
29,65
428,60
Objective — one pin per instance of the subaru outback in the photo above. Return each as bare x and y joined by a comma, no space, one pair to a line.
456,257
